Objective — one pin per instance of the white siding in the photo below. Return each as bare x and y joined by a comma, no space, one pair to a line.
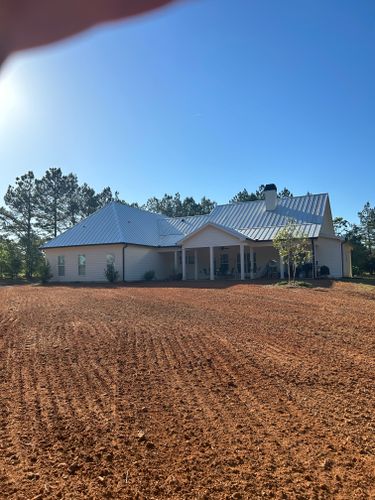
327,225
347,258
139,259
328,253
96,262
264,256
210,236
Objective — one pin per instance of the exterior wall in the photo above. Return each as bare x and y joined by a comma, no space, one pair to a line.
328,253
327,226
210,236
264,255
347,261
140,259
96,262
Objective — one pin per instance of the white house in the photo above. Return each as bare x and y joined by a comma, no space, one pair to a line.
233,241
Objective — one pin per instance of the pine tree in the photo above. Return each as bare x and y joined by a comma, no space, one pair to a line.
18,218
367,226
52,201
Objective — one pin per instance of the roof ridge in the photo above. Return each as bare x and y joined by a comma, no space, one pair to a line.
117,220
119,203
277,225
257,201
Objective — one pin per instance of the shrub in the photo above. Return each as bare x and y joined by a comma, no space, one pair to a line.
324,271
110,273
294,284
45,272
149,275
356,271
176,277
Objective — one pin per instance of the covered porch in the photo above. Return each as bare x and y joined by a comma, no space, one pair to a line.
214,252
231,262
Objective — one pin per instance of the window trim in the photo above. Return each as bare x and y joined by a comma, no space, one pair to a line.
81,267
61,266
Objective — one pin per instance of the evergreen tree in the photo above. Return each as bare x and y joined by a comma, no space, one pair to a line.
244,195
341,226
10,259
73,202
88,200
285,193
105,197
172,206
18,218
53,200
367,226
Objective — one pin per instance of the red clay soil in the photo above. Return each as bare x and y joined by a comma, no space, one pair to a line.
178,392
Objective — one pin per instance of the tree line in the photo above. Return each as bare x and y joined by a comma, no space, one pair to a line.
362,238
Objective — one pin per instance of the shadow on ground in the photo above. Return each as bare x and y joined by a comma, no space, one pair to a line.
217,284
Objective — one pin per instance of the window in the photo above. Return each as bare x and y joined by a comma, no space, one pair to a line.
61,265
81,265
190,259
110,260
224,263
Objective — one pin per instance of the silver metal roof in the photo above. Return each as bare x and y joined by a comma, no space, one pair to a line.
118,223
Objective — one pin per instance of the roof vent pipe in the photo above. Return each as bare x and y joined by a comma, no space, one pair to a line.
270,195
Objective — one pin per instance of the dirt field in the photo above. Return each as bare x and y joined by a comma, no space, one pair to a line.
245,391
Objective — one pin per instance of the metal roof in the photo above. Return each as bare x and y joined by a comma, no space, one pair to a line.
118,223
114,223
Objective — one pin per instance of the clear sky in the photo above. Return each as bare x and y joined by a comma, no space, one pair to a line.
204,98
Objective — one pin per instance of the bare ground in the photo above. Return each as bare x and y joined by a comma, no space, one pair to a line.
176,392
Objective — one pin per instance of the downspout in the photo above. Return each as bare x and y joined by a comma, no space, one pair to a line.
123,262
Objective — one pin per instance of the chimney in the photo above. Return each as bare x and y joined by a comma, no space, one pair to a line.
270,195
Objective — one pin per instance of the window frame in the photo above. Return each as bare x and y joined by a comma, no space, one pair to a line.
61,265
82,267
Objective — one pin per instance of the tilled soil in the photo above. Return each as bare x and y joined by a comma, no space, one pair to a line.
183,392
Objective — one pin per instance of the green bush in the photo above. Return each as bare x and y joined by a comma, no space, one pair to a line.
45,272
176,277
110,273
356,271
149,275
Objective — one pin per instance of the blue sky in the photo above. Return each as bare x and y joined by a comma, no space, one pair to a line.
204,98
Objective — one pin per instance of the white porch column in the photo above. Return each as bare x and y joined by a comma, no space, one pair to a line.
251,263
184,264
282,268
242,261
212,270
175,261
195,264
